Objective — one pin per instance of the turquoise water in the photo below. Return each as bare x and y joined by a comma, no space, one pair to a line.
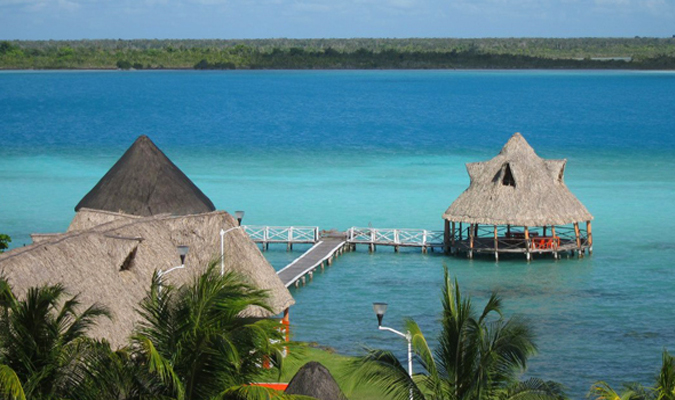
338,149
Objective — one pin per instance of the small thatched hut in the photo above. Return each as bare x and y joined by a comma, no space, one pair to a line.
144,208
314,380
517,202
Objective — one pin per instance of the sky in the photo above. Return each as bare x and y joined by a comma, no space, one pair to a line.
249,19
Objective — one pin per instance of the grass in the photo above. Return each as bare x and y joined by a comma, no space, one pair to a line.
337,364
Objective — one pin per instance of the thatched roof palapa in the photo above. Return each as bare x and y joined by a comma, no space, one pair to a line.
314,380
145,182
517,187
108,258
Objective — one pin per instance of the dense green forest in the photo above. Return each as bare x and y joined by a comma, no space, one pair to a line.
517,53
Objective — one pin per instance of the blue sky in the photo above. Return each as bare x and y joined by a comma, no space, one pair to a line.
235,19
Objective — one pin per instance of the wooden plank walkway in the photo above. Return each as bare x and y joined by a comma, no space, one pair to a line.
320,253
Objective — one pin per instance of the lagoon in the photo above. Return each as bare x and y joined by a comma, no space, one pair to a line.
343,148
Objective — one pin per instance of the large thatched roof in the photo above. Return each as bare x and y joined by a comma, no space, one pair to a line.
145,182
517,187
109,258
314,380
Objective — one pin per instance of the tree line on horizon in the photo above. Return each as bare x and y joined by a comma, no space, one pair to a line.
491,53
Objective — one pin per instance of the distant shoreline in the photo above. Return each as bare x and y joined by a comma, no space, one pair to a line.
342,54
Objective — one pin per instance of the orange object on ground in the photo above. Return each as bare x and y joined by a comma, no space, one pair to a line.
275,386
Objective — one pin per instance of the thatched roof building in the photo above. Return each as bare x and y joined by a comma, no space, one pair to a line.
109,258
145,182
128,226
515,188
314,380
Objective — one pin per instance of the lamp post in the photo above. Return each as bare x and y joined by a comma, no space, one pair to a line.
182,252
380,309
222,244
239,215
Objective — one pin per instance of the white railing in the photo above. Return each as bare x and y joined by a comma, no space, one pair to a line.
395,237
282,234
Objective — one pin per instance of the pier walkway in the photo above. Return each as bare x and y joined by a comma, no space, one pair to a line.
319,255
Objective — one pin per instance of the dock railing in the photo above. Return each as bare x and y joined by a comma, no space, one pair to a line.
395,237
282,234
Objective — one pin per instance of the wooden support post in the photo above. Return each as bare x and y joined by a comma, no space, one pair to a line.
329,260
496,244
297,283
304,281
395,249
446,236
528,256
577,234
424,249
452,238
267,246
471,234
590,237
508,230
289,246
544,230
323,265
311,276
460,232
286,321
554,243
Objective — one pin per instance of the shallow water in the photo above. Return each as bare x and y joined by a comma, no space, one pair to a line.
348,148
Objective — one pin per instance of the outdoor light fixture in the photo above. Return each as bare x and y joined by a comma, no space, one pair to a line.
239,215
182,251
380,309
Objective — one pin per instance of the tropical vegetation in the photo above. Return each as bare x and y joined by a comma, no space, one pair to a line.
418,53
192,342
5,240
663,389
478,356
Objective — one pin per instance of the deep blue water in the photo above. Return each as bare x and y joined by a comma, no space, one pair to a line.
344,148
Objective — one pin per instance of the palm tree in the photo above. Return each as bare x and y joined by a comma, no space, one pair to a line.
663,390
42,341
478,357
198,342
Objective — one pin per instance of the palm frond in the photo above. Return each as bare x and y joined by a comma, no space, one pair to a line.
10,385
534,389
381,369
603,391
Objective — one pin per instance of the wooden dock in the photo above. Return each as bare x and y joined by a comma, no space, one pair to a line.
320,255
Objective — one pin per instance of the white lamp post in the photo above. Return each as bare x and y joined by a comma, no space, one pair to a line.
222,244
182,252
380,309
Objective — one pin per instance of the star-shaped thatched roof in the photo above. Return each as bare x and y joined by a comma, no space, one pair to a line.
517,187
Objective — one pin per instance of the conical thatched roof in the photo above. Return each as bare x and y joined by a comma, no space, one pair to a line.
314,380
517,187
145,182
109,258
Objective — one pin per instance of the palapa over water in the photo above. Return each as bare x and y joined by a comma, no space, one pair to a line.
145,182
109,257
515,188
